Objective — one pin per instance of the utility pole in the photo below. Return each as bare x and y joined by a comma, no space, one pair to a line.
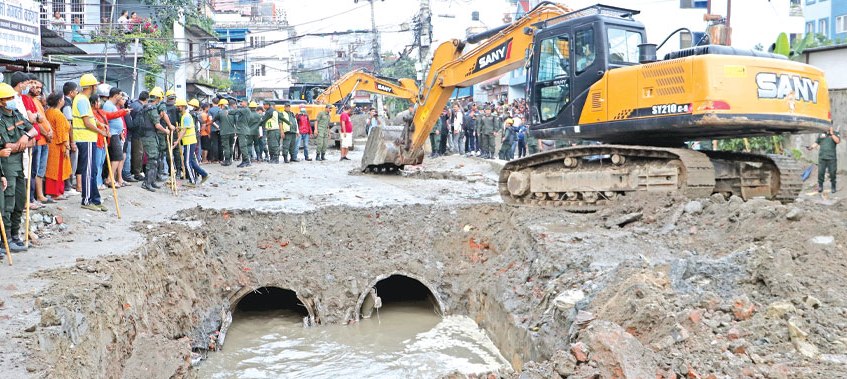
424,38
375,47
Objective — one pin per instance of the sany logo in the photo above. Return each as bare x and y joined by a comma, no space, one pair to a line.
773,86
498,54
384,88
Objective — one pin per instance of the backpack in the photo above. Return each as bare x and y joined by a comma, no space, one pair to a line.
143,123
134,116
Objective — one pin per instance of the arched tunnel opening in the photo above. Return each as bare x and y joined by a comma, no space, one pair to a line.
272,299
397,289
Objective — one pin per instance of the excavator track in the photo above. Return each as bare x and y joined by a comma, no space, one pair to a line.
586,178
544,179
772,176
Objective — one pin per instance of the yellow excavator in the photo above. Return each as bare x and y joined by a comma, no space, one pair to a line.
592,78
340,91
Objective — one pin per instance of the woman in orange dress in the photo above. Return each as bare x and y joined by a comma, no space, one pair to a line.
58,160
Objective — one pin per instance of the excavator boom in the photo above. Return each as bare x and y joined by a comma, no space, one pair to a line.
504,50
360,80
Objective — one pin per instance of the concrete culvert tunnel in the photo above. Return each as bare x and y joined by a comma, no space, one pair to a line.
396,289
272,299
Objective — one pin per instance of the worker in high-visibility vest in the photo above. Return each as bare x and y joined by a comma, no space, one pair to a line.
188,138
85,133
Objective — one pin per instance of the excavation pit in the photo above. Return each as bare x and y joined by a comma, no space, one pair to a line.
536,281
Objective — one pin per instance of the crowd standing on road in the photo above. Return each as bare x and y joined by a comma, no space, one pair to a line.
473,130
91,136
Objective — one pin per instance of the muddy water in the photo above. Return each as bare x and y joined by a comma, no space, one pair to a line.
405,340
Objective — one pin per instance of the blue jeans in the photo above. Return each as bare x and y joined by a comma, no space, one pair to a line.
304,138
99,161
85,168
39,167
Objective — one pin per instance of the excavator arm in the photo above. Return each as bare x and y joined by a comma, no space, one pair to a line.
360,80
500,50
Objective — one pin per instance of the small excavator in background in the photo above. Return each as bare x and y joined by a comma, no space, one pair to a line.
339,93
592,80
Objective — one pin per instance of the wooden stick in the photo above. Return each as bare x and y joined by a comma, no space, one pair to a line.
28,176
5,242
172,168
112,179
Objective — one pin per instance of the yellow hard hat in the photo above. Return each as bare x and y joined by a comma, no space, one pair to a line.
170,93
181,103
194,103
223,102
156,92
6,91
253,104
88,80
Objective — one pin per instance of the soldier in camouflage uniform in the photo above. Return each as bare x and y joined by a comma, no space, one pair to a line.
488,125
322,132
227,125
16,133
270,121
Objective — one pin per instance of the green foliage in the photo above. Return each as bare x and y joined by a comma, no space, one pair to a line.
796,153
154,43
308,76
401,68
220,82
782,47
760,145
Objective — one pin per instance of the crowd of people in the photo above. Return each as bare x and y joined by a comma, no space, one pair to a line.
91,136
472,130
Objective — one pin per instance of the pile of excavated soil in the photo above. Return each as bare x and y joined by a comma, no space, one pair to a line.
651,287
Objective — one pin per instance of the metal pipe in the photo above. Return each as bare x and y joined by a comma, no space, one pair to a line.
475,38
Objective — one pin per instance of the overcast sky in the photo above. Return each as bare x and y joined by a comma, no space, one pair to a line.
450,18
754,21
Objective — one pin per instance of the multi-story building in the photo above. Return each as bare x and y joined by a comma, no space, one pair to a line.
256,50
827,18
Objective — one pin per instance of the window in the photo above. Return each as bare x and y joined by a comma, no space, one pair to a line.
689,4
552,86
257,41
77,12
810,27
823,26
841,24
810,2
258,70
584,43
623,46
554,61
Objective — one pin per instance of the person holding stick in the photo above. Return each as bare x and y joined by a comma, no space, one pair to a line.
16,134
188,138
85,132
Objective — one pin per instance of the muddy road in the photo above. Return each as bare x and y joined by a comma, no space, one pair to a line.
651,287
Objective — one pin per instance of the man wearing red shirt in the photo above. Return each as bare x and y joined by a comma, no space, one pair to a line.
346,132
305,129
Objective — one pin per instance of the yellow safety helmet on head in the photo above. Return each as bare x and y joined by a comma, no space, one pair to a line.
6,91
223,102
194,103
88,80
156,92
181,103
253,104
170,93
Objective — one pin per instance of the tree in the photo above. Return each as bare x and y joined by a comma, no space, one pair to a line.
403,67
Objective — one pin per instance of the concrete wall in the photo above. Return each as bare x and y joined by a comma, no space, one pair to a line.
838,100
831,62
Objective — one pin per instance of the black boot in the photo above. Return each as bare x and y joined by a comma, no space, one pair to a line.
150,177
307,157
285,158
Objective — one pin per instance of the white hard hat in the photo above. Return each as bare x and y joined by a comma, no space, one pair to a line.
103,90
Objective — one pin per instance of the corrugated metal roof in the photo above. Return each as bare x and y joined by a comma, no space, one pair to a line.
53,44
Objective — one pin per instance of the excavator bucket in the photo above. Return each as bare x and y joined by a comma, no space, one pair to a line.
384,151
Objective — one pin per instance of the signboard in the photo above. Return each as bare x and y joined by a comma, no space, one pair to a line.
20,33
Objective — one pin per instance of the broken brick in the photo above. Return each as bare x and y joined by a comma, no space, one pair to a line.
742,308
580,352
696,316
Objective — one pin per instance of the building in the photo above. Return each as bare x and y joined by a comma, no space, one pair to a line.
827,18
29,46
255,49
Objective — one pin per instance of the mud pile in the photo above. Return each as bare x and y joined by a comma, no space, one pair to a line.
660,287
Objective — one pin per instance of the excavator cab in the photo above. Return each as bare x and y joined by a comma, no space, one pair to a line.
572,55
